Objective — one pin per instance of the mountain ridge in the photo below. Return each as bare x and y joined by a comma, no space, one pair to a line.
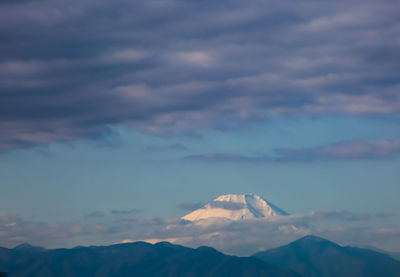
134,259
314,256
309,256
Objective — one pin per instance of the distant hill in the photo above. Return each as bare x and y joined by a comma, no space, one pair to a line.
316,257
394,255
131,259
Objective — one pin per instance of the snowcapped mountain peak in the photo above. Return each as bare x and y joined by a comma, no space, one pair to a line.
236,207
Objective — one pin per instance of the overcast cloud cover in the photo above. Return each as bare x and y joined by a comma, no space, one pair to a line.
71,69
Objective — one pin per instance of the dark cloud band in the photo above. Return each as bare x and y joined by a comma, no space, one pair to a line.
70,69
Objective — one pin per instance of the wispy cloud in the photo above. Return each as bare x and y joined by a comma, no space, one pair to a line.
355,149
225,157
190,206
341,215
344,150
126,212
97,214
174,147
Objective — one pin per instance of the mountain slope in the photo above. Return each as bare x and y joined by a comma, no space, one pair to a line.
236,207
132,259
316,257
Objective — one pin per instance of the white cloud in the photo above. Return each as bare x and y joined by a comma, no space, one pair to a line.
235,237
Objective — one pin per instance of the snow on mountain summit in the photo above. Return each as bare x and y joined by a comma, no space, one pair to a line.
236,207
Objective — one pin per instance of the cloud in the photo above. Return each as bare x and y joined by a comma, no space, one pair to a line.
126,212
224,157
190,206
97,214
245,237
174,147
355,149
175,66
196,58
242,237
341,215
344,150
101,214
352,104
15,230
390,231
385,215
177,147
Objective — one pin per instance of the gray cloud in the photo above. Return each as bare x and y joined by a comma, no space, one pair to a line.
126,212
385,215
356,149
226,157
190,206
177,147
344,150
174,147
97,214
69,69
341,215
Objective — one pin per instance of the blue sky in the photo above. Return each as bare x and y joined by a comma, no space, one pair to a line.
132,110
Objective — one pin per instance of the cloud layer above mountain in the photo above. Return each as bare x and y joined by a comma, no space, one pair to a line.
71,69
235,237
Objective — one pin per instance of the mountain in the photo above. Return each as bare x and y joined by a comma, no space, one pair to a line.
26,247
316,257
132,259
236,207
394,255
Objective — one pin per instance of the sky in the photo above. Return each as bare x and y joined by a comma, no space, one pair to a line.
119,117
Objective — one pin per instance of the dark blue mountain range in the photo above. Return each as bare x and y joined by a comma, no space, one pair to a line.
309,256
131,259
317,257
